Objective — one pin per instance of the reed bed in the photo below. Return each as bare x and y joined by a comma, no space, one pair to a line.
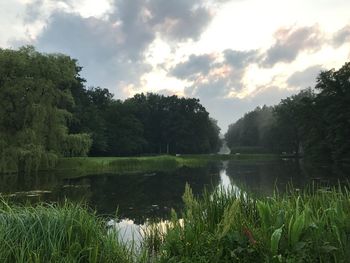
312,225
82,166
308,226
49,233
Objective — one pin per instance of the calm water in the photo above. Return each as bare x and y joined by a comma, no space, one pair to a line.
148,195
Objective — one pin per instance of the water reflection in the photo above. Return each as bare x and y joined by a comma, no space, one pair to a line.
133,196
128,231
226,182
139,197
263,178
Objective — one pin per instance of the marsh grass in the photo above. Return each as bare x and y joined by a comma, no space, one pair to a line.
311,225
48,233
90,165
308,226
82,166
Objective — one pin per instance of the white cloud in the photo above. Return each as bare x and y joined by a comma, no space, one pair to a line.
212,49
11,24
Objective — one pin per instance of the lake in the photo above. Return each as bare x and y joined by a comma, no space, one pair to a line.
152,195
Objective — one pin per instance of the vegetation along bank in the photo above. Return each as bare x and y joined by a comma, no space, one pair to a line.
308,226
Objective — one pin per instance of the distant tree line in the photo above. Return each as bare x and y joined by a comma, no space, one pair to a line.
144,124
46,112
314,123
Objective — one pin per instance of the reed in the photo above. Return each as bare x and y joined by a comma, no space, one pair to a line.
308,226
82,166
311,225
49,233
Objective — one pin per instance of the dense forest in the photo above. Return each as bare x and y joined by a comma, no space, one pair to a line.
314,123
47,112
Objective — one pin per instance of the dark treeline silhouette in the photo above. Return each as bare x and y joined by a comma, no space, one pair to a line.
314,123
144,124
46,112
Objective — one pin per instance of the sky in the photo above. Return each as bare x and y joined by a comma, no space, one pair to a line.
234,55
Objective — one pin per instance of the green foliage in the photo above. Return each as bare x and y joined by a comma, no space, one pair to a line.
35,98
312,226
220,226
174,125
143,124
81,166
67,233
46,110
76,144
275,239
314,122
251,132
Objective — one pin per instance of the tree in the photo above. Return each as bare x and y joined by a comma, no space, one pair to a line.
35,98
333,104
174,125
315,122
252,131
290,124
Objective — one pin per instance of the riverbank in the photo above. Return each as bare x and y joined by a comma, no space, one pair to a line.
81,166
308,226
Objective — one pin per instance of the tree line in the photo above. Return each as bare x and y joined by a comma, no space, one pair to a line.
144,124
314,123
46,112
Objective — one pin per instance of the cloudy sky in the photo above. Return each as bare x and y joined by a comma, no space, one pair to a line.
233,55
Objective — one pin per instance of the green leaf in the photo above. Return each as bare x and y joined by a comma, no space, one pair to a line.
275,239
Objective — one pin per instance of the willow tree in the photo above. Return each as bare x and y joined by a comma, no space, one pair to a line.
35,103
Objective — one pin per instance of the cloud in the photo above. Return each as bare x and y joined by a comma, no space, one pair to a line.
112,44
194,66
179,19
229,110
219,83
290,42
342,36
11,27
33,11
211,78
111,48
97,44
305,78
215,84
240,59
212,89
135,31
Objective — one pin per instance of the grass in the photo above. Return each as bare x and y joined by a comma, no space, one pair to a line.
312,226
82,166
67,233
299,226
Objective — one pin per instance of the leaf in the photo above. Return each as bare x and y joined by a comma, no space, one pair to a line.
297,228
275,239
265,214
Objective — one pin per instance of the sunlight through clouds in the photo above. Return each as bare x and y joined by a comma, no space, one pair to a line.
214,50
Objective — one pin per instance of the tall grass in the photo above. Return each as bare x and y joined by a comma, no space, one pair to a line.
220,226
89,165
82,166
312,226
45,233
